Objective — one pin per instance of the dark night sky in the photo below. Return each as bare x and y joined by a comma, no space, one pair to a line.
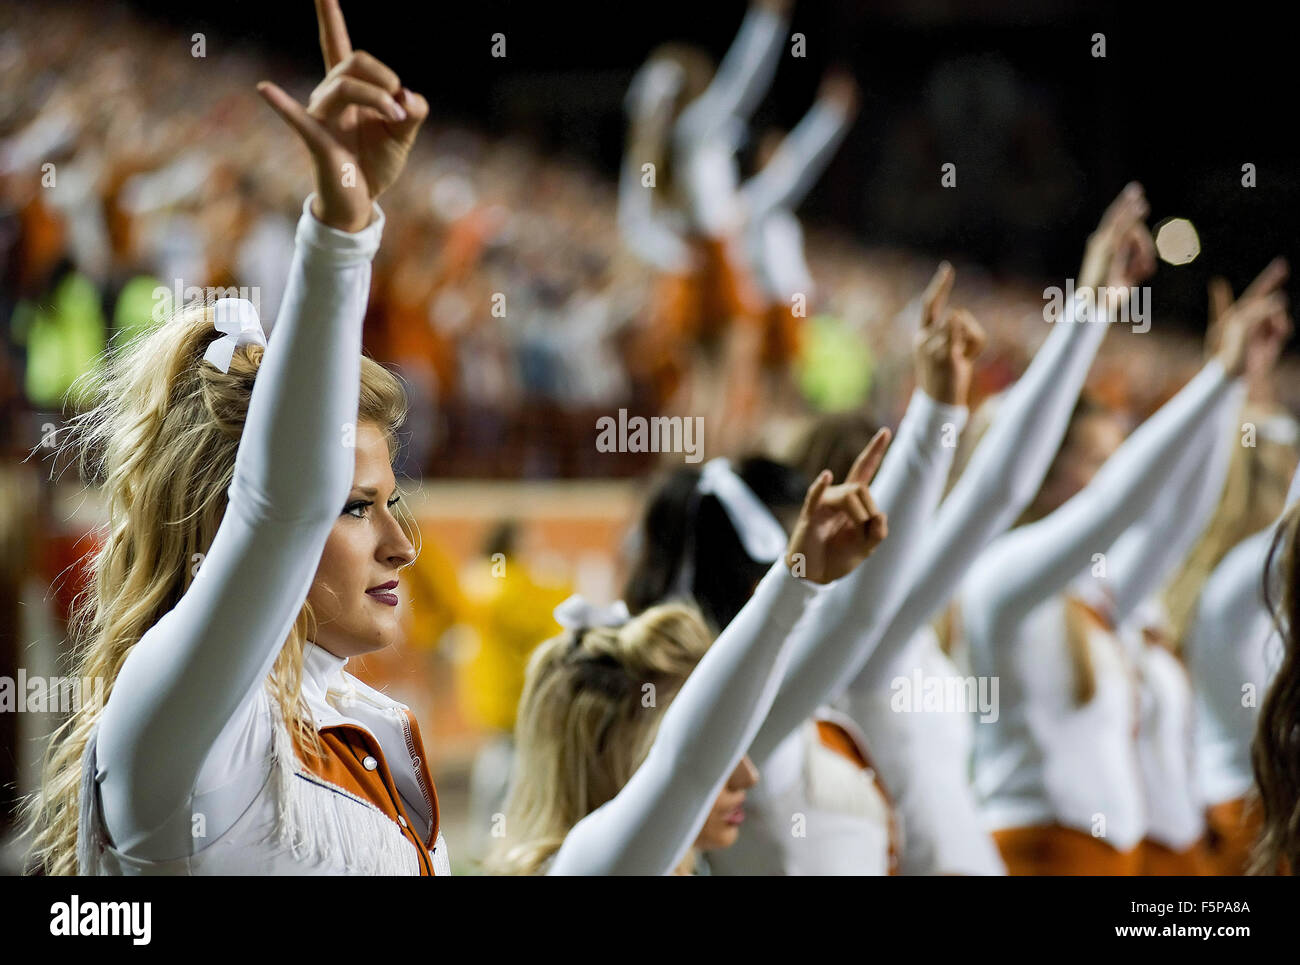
1180,102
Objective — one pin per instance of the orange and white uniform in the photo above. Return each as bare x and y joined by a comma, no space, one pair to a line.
773,237
922,752
1056,775
705,282
190,769
819,809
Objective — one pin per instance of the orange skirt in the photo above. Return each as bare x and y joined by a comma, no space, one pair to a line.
1161,861
1233,831
698,307
1057,850
692,312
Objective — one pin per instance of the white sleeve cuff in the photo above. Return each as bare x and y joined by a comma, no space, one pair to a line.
340,247
932,415
789,595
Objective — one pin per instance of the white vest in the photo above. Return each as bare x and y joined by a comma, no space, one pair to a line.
1049,759
813,812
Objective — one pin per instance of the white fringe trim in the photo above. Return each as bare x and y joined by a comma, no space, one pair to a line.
90,837
318,821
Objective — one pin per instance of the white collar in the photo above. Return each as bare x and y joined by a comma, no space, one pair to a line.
321,671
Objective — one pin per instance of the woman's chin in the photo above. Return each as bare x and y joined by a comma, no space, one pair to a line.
717,838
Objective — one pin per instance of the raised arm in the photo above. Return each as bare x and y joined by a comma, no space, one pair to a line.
804,153
205,661
651,823
1233,594
910,484
1039,560
1148,551
742,78
648,235
1008,466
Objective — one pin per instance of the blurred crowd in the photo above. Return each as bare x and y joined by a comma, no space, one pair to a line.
503,295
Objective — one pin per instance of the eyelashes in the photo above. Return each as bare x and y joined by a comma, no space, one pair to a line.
362,504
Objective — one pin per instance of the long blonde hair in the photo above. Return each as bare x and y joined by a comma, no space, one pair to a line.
590,709
162,442
1254,495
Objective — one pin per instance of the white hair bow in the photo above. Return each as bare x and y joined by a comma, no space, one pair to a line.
576,613
762,536
237,319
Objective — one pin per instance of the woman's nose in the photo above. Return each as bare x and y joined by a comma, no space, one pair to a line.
744,776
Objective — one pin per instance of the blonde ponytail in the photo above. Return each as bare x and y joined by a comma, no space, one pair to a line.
161,442
590,708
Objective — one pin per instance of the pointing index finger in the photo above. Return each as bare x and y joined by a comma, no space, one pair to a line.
868,461
936,294
334,43
1268,280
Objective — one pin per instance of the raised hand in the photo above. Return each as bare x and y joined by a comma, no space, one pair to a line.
1121,252
359,125
839,89
947,343
839,526
1247,335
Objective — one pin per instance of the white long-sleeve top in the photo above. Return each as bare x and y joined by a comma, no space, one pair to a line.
883,603
773,237
1232,652
1001,479
1046,758
648,827
814,811
708,132
907,488
1140,563
188,730
1174,816
922,752
849,828
1148,553
1003,475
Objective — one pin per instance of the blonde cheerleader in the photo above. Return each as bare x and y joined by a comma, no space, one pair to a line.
253,550
632,733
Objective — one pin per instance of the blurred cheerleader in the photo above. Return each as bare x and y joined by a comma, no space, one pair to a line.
773,237
707,322
1058,771
631,736
1139,564
706,536
254,550
923,756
